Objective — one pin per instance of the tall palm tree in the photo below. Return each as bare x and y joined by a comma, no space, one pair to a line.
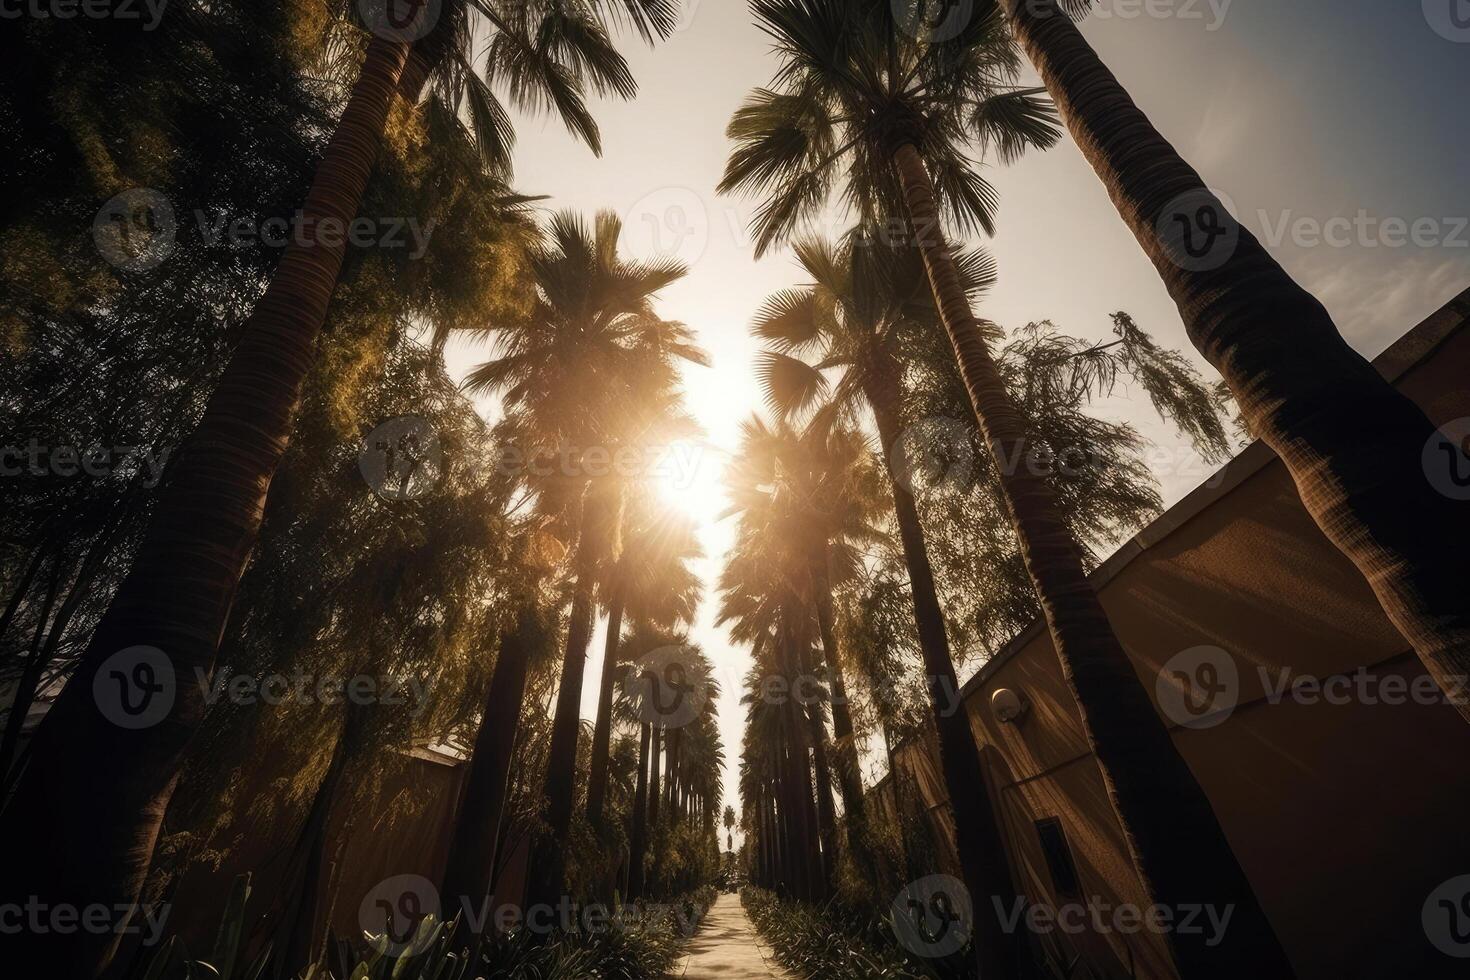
818,494
588,370
651,583
638,819
884,112
730,822
765,588
852,319
522,635
778,770
104,787
866,298
1354,444
693,788
642,639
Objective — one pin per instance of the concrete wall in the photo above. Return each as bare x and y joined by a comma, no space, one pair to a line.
1345,816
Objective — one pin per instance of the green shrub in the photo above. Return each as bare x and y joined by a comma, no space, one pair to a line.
644,944
834,943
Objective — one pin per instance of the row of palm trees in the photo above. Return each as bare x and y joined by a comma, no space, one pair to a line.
589,371
808,505
865,109
587,320
106,790
591,367
882,117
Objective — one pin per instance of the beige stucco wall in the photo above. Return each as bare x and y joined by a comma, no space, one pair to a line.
1345,816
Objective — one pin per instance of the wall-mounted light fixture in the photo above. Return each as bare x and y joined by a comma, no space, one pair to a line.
1008,705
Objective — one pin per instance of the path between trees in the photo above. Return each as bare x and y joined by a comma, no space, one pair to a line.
726,947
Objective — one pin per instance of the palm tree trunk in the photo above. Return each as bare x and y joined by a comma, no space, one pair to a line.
674,740
302,922
1354,444
771,841
470,871
787,880
805,821
1178,846
822,773
895,777
768,841
654,789
638,837
600,512
808,828
826,807
602,733
560,779
794,878
849,776
103,788
981,847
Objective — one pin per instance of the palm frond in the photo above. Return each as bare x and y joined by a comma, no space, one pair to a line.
790,386
1013,122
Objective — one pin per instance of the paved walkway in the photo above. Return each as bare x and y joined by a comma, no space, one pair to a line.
726,948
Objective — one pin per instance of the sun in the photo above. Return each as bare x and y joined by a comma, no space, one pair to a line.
687,476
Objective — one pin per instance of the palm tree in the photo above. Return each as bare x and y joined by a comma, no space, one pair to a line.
867,298
104,787
469,869
818,494
776,771
693,788
862,338
859,97
1353,443
765,588
730,822
638,819
587,371
651,583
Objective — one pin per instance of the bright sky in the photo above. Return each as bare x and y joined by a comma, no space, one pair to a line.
1300,112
